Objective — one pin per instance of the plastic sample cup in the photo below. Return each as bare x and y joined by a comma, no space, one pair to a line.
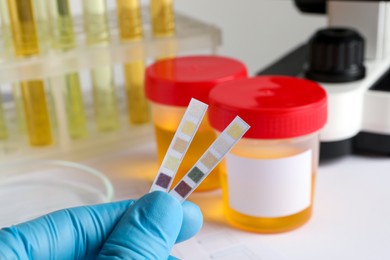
170,84
268,177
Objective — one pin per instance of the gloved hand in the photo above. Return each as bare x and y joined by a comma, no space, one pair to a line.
143,229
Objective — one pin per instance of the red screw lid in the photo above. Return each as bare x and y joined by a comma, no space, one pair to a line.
274,106
175,81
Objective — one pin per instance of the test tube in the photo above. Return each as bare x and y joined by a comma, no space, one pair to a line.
163,18
163,23
63,39
3,125
25,41
130,28
19,108
6,39
6,33
42,23
97,33
8,46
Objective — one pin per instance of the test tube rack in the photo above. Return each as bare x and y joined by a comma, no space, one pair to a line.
191,37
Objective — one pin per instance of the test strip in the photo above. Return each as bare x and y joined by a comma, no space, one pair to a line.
188,126
207,162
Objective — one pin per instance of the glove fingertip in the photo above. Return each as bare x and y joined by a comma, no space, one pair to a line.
192,221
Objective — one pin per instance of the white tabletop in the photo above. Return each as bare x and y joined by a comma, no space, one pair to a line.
351,217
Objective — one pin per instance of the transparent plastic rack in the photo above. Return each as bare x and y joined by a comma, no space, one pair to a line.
191,37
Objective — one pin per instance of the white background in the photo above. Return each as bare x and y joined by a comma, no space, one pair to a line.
255,31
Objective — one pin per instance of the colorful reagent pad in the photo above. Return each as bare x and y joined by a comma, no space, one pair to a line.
210,159
186,131
207,162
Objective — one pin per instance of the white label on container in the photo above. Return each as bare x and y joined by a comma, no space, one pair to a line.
270,187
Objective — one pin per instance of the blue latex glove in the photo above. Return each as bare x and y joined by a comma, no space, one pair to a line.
143,229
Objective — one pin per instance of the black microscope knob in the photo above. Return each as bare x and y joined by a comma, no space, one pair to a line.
336,55
311,6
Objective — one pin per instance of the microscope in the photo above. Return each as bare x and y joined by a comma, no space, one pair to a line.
350,59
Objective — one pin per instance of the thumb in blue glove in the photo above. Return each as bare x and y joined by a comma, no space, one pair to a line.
143,229
150,228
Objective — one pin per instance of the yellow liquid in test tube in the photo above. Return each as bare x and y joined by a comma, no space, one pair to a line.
19,107
204,137
97,30
7,41
63,39
258,224
130,27
163,23
8,44
104,96
3,125
25,41
77,124
42,24
37,115
163,18
6,33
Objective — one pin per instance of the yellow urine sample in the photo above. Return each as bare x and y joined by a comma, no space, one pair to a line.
37,114
163,25
6,33
24,31
260,224
130,28
138,106
3,125
19,108
25,41
63,39
202,140
104,97
77,123
97,32
163,18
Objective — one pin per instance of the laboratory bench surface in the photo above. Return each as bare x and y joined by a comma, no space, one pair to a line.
351,218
